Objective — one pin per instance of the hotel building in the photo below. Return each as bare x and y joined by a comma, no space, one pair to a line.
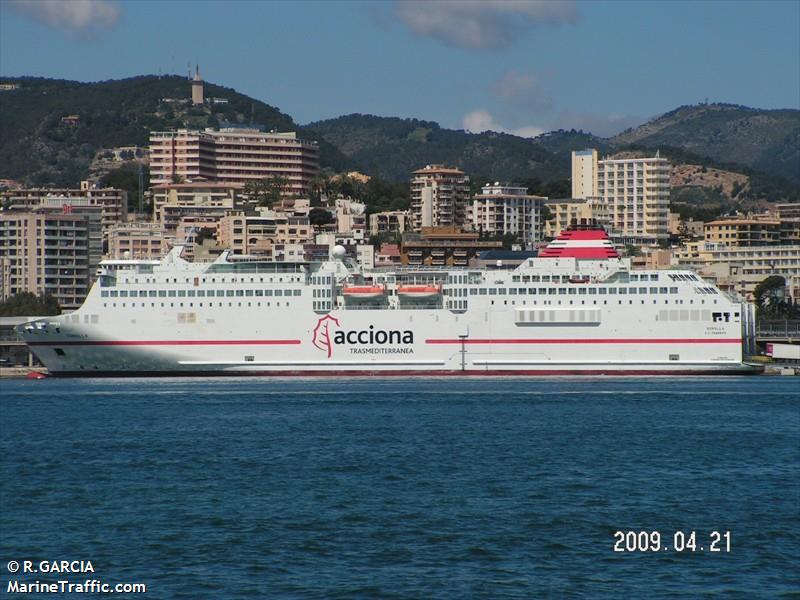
233,155
635,192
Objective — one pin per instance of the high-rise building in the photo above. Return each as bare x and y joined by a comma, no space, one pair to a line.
507,210
635,192
584,174
233,155
45,252
439,197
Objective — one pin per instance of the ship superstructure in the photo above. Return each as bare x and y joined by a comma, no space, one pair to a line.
577,308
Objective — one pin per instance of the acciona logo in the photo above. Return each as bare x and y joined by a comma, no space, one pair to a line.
327,334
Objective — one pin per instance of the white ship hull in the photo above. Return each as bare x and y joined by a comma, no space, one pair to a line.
180,318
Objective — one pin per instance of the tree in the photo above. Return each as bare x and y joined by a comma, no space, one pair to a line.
769,296
631,250
26,304
267,191
319,217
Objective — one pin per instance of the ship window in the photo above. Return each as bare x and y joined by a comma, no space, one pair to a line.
512,291
104,294
526,278
662,290
632,290
123,294
545,277
582,291
248,292
171,293
642,290
279,292
473,291
219,293
602,290
239,293
654,277
592,291
60,352
653,290
492,291
515,278
623,290
114,293
229,293
482,291
201,293
182,293
572,291
268,293
297,292
634,277
612,290
674,357
562,291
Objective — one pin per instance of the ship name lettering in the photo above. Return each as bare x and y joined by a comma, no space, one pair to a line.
371,336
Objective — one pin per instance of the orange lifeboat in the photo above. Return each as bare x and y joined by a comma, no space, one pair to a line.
363,291
419,291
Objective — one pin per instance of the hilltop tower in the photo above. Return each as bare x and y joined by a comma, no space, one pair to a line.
197,87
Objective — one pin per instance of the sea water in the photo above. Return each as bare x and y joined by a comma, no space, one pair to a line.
405,488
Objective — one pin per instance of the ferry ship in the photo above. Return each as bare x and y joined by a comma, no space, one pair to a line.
578,308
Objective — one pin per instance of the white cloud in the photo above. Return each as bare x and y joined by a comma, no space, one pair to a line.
74,16
480,24
481,120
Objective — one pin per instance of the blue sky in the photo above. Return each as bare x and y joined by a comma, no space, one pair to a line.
511,65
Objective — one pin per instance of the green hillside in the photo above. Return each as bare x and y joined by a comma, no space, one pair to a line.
391,148
37,148
766,140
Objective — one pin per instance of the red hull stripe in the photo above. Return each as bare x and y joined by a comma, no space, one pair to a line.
170,343
589,341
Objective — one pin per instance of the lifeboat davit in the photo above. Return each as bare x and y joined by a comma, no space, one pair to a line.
419,291
363,291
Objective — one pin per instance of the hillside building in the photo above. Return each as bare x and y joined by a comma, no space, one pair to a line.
197,87
743,232
390,221
196,195
439,197
233,155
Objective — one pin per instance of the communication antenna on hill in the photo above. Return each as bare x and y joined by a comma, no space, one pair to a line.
188,70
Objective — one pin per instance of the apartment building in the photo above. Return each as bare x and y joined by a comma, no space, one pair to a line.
233,155
351,218
138,241
46,252
195,194
743,232
114,202
256,235
443,246
742,268
439,197
390,221
507,210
